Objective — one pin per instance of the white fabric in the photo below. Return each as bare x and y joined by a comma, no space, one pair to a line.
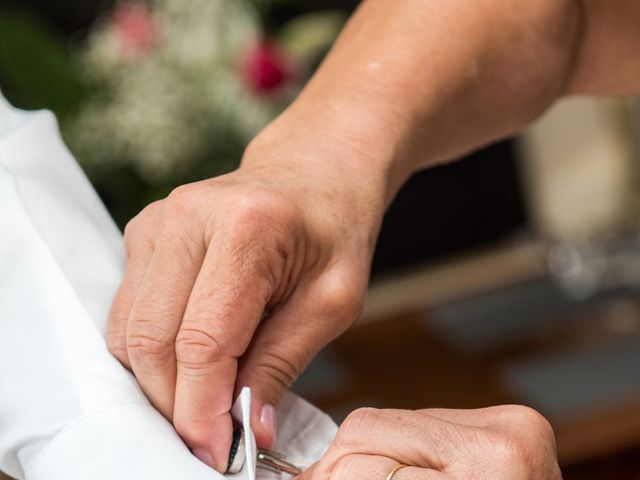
68,409
10,118
5,123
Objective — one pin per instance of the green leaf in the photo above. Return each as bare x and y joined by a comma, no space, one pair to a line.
36,69
309,35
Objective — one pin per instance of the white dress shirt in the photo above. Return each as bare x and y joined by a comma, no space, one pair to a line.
68,409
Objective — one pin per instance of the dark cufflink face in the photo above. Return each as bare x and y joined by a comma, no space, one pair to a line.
237,454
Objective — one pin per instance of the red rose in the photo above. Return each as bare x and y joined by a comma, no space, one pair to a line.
265,68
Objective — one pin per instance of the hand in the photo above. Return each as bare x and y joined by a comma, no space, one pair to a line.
499,443
240,280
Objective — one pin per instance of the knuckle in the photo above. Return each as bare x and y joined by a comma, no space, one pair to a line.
528,445
523,439
184,194
259,211
261,234
117,344
357,424
132,227
342,297
281,369
149,345
532,420
260,204
139,230
133,231
347,467
198,347
183,201
508,452
143,220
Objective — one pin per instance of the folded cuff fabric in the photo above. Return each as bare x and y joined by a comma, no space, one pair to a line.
68,409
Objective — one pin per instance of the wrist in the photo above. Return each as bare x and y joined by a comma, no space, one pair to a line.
328,142
326,172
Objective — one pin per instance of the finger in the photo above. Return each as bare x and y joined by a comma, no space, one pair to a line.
157,313
369,467
474,417
285,343
309,473
515,421
408,437
511,417
139,242
225,307
122,304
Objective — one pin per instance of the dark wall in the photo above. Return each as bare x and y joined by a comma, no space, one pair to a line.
452,208
72,16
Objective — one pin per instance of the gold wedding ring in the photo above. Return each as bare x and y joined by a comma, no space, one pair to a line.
394,471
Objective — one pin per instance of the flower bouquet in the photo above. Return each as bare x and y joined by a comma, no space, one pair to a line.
165,92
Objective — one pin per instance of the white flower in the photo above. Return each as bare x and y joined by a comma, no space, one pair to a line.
154,111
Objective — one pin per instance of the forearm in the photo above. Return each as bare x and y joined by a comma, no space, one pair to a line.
416,82
607,62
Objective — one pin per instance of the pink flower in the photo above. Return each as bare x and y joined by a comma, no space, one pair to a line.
133,24
265,68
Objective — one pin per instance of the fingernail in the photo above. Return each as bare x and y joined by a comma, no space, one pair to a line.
268,421
204,456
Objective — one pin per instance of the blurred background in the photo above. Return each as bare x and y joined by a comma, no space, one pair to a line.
511,276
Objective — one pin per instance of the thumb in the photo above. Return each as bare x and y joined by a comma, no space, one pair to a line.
276,357
282,347
286,341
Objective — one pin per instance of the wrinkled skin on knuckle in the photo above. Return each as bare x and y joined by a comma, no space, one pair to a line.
135,234
197,347
144,220
183,215
149,346
116,335
185,243
175,222
279,368
139,232
505,453
262,233
185,200
534,435
116,341
250,258
260,216
452,440
526,422
358,424
531,421
345,468
514,446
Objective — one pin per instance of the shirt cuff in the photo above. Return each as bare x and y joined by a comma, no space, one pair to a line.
123,441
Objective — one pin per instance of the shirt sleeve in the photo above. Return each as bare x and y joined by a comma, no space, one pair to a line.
68,409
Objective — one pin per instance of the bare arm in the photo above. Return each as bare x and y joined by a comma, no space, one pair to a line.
607,61
241,279
413,83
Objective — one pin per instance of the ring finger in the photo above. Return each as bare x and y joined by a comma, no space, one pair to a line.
373,467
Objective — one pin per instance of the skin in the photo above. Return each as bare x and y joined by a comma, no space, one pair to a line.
497,443
242,279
